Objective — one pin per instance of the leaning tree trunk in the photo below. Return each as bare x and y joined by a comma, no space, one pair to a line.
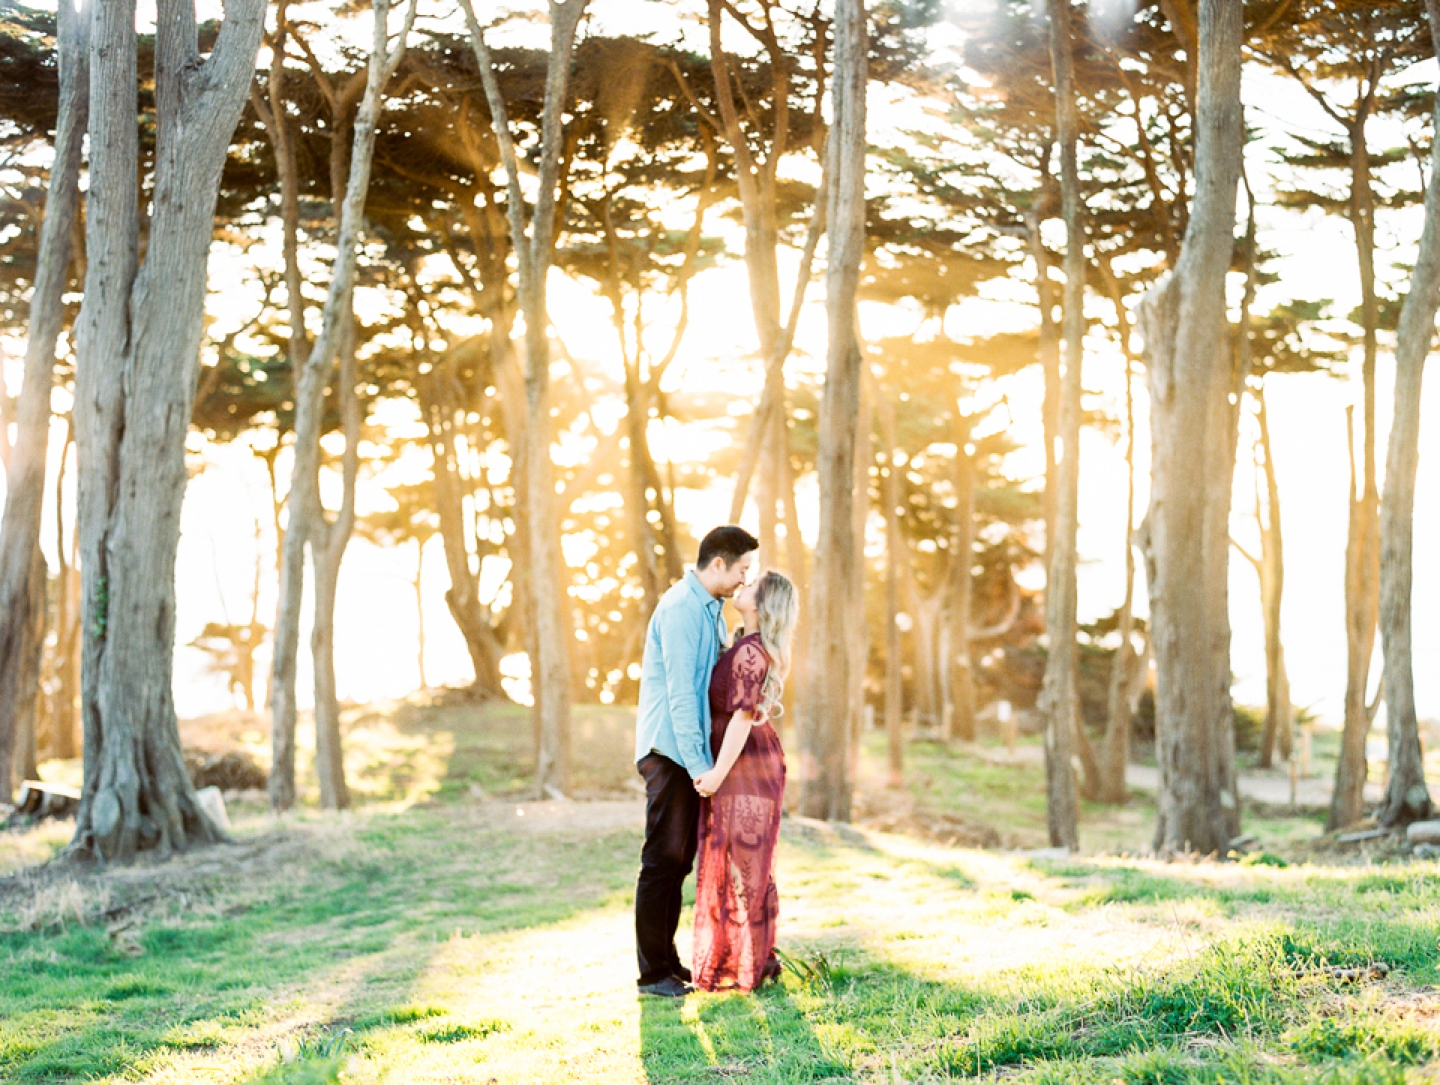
311,379
1186,532
1406,796
139,336
827,717
1061,694
25,472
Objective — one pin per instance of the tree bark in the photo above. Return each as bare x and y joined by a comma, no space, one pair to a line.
1115,753
1347,801
1407,798
139,336
1185,535
1061,695
65,660
960,706
1362,550
1049,353
307,524
25,471
28,710
894,556
828,711
551,622
327,550
1279,713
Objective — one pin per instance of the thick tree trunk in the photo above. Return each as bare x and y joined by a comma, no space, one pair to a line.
25,470
1061,695
1406,796
306,513
139,337
829,710
1186,532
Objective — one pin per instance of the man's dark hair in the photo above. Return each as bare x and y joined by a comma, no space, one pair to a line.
729,542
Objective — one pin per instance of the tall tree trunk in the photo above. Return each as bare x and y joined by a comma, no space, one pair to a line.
1279,718
858,641
65,660
306,523
1362,550
1406,796
28,710
1186,535
1049,352
327,551
551,631
894,556
25,470
828,712
1061,694
1115,753
139,336
1347,801
960,707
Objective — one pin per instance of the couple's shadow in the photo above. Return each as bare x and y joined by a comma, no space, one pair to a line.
756,1037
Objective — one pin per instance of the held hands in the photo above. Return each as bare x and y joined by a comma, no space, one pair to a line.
707,783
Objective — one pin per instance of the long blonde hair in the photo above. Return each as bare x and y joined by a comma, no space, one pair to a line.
778,606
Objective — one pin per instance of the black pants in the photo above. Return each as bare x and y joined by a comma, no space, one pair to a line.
672,814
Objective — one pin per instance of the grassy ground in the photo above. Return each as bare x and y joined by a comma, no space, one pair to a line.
447,933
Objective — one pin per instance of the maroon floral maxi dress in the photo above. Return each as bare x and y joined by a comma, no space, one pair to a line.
736,902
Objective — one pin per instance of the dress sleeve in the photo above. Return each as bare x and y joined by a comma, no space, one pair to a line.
748,667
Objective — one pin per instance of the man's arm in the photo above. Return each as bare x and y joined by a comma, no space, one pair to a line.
680,634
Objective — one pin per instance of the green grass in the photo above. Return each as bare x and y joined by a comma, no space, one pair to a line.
447,941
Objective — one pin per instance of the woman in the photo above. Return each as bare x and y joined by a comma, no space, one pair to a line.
736,903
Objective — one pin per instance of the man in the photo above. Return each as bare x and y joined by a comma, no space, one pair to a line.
672,744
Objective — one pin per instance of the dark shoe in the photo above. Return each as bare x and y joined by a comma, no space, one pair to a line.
681,973
669,987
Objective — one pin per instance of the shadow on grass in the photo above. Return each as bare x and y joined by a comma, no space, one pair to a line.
491,746
88,1003
761,1037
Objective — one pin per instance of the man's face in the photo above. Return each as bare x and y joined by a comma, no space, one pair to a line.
732,578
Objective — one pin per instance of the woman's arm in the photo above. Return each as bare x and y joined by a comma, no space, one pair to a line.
736,734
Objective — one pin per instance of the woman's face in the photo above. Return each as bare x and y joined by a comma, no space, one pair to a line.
745,598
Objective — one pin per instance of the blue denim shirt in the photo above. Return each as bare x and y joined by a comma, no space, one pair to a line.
681,648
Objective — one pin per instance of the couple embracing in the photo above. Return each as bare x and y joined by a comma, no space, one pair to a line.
714,770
